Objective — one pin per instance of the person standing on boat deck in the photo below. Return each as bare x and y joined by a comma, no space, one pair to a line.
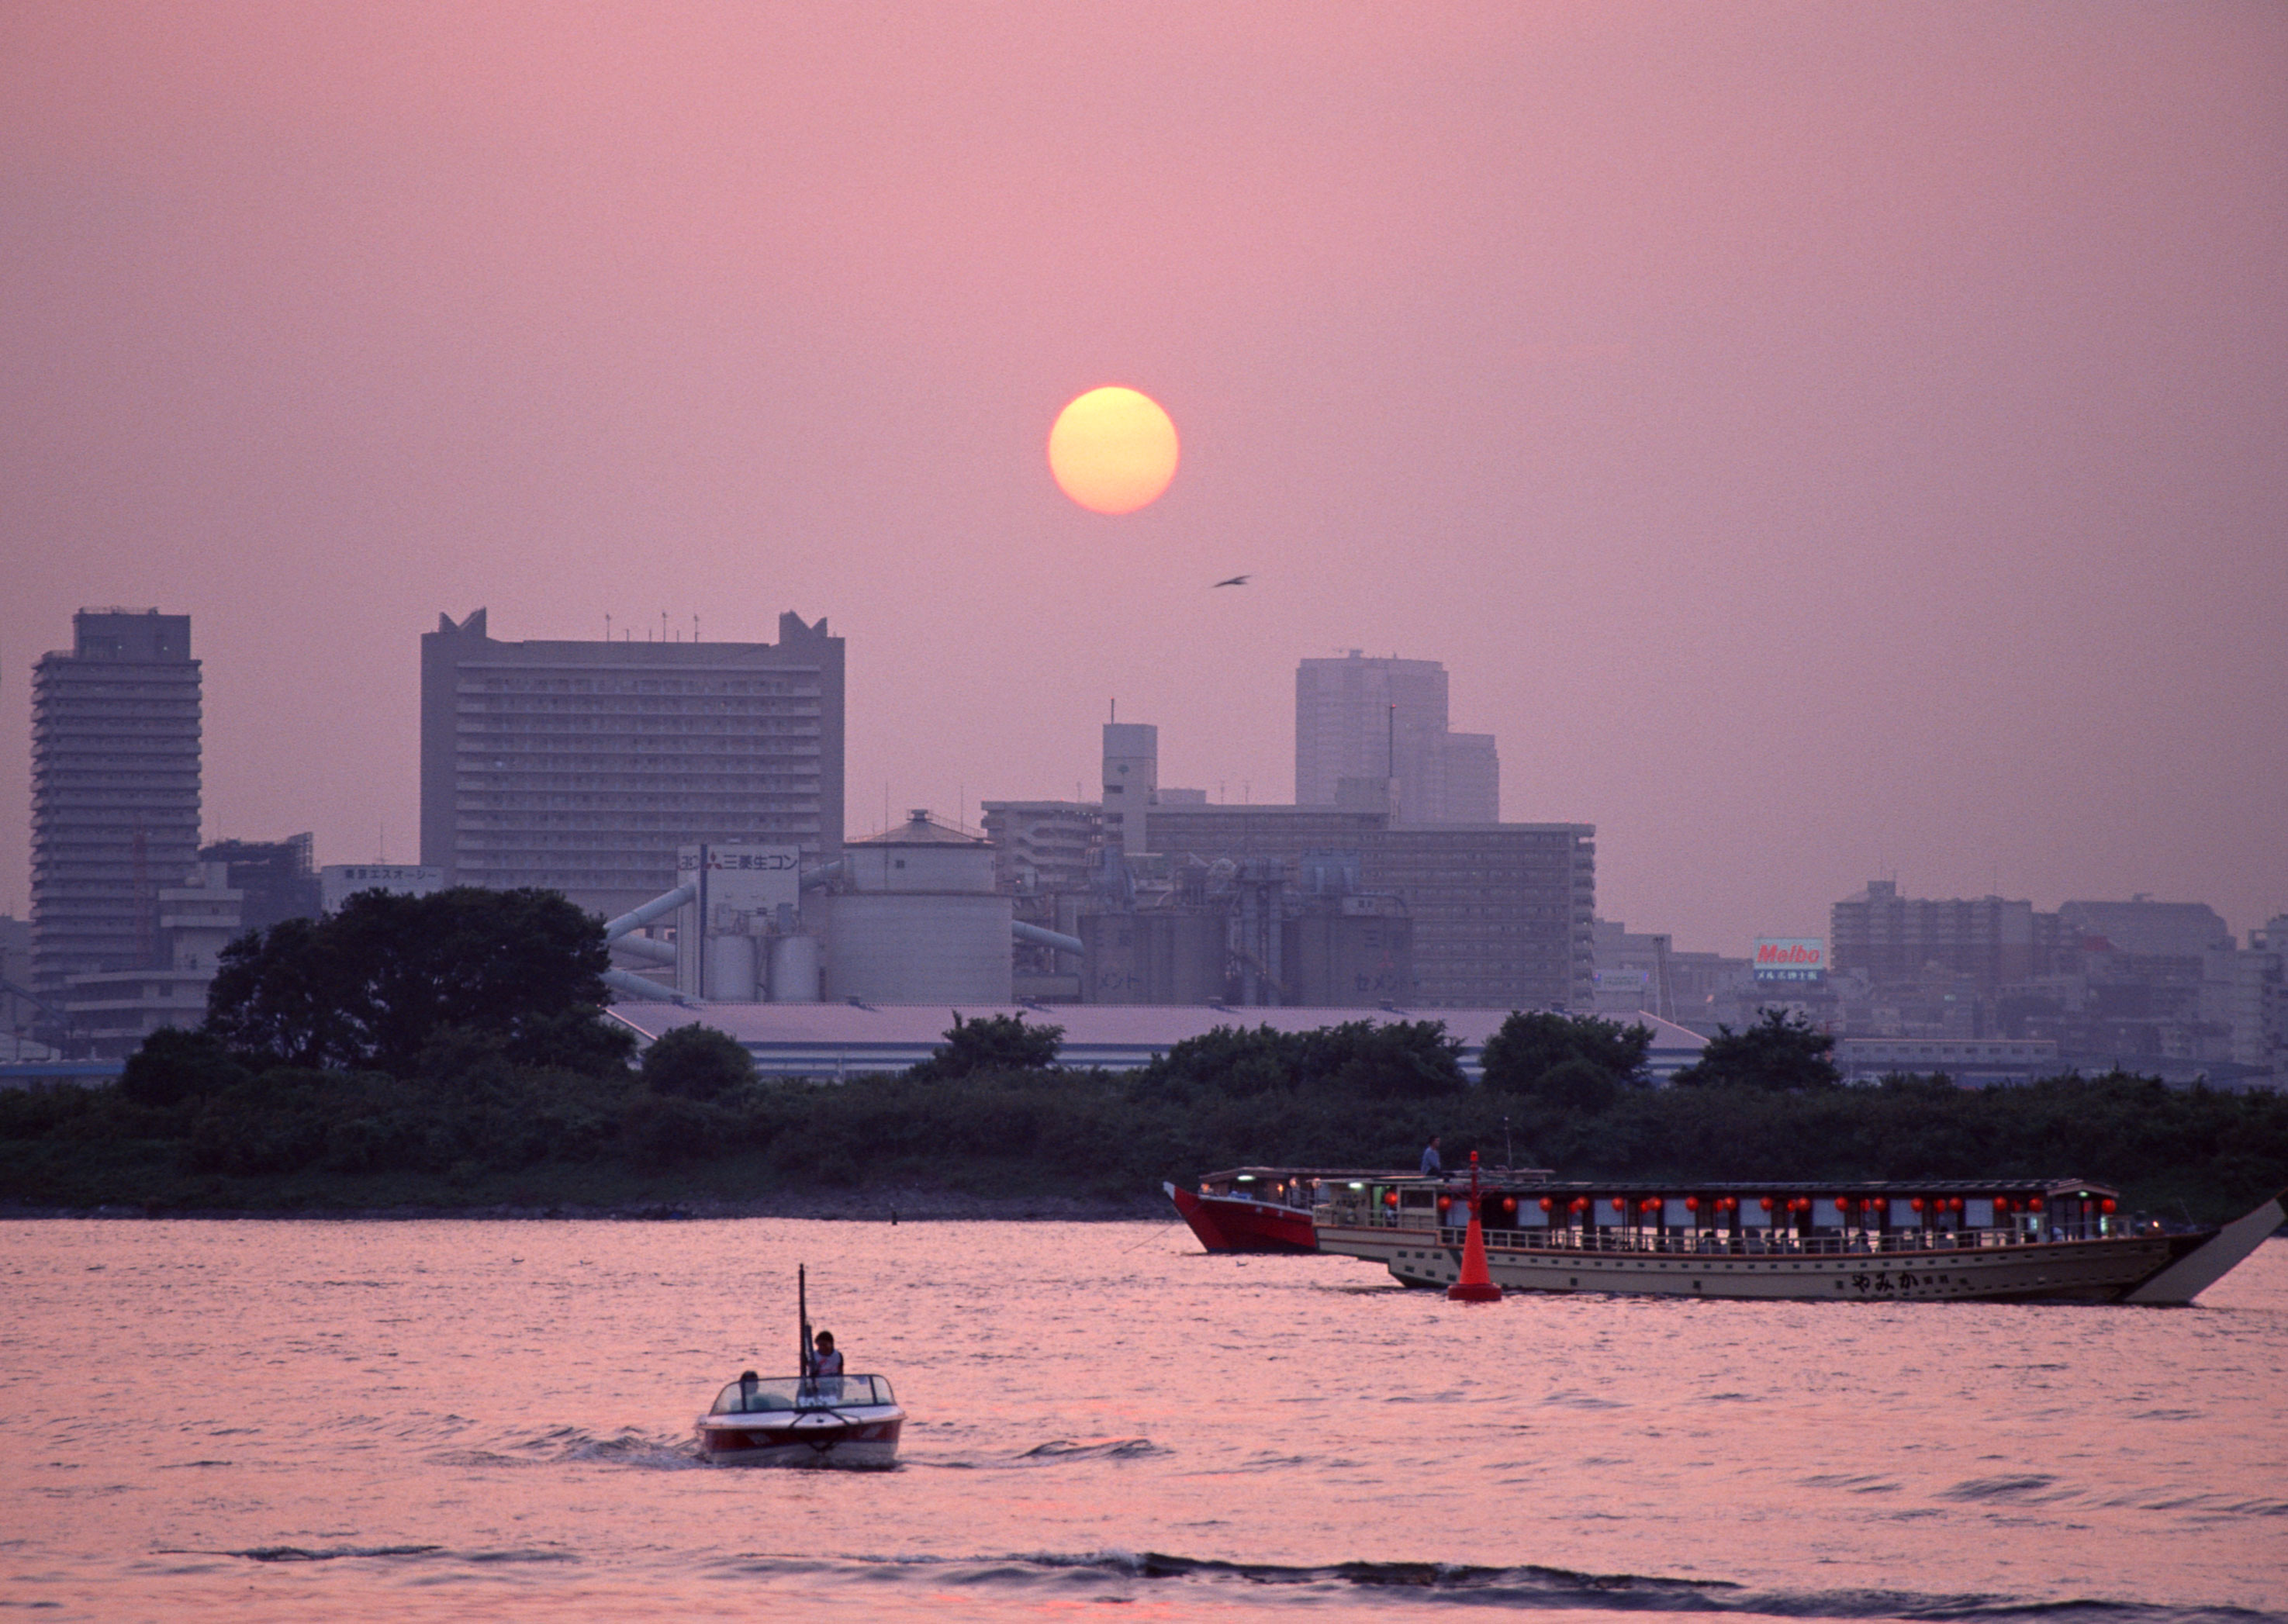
1430,1162
826,1366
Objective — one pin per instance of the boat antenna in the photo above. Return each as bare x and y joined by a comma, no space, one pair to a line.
802,1312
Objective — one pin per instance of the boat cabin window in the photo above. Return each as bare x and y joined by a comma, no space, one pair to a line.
801,1393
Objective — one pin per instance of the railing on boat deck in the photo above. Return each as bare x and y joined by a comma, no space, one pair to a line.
1751,1243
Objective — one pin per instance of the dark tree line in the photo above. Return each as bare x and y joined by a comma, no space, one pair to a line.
464,1041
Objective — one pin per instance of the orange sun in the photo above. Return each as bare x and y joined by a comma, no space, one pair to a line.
1113,450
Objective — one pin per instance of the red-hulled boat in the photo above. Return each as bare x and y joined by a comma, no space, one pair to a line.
1261,1209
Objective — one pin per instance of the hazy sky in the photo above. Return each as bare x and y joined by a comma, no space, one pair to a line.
1822,441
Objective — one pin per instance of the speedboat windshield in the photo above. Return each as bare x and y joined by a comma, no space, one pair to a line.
801,1393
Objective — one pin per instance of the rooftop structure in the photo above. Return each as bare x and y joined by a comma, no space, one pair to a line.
277,876
585,766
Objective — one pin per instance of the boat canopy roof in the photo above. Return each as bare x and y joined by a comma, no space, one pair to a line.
748,1398
1379,1175
1499,1181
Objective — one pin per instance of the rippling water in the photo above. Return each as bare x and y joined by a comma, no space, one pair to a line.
469,1419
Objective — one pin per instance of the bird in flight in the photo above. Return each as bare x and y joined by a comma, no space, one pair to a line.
1235,581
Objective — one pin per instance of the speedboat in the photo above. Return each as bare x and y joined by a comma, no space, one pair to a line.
803,1421
819,1418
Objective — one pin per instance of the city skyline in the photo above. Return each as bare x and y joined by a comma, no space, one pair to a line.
1867,464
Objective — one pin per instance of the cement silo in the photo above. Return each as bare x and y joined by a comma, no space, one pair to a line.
914,917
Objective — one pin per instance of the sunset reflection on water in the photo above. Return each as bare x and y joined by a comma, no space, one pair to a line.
493,1419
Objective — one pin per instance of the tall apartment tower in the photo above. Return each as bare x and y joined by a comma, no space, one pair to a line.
115,791
582,767
1381,724
1132,782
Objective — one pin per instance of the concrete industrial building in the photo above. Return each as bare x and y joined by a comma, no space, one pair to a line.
1298,904
915,916
1358,719
584,767
1500,914
115,793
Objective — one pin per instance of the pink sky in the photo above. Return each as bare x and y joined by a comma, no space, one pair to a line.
1822,442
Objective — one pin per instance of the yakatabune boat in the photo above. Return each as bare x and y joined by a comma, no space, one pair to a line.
803,1421
1970,1239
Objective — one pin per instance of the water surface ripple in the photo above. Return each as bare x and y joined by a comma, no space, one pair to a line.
476,1420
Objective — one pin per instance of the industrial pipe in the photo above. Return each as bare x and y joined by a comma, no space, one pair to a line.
636,986
1039,938
639,918
644,948
824,872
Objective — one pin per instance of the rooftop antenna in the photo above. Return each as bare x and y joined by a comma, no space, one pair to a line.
607,625
1116,710
695,627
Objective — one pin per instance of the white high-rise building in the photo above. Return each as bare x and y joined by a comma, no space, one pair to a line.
1384,722
115,791
586,767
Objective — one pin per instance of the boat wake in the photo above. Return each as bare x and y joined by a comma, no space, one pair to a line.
1247,1588
578,1446
1094,1449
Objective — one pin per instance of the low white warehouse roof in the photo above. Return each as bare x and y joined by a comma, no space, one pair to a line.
842,1039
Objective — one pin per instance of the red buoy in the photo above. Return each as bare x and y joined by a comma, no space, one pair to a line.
1476,1284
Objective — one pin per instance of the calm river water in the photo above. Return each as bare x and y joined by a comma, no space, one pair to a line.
263,1421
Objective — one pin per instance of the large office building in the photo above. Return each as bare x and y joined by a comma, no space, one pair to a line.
1374,732
114,792
584,767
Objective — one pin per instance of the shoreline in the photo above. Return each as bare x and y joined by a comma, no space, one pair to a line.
898,1206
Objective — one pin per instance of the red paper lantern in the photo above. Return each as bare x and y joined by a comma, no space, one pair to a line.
1390,1198
2034,1203
1767,1203
1580,1203
1917,1203
1544,1204
1620,1203
1445,1201
1509,1203
1692,1203
2108,1203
